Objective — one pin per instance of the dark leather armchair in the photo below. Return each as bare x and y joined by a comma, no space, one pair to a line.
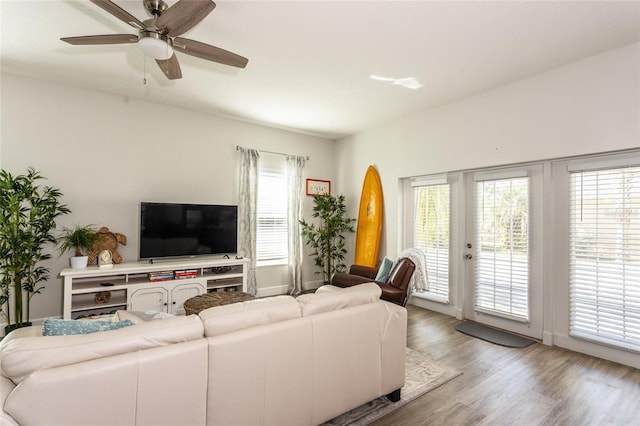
395,290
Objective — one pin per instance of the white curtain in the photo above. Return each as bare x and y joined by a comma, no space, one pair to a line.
247,212
295,168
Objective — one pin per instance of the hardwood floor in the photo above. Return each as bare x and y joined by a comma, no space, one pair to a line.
537,385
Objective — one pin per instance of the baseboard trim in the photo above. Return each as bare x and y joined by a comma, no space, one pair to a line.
273,291
433,306
278,290
594,349
312,285
547,338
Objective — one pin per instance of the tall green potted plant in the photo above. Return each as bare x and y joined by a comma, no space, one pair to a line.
28,213
79,240
327,238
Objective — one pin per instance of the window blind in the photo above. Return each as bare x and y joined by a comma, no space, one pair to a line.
271,237
502,247
604,256
431,235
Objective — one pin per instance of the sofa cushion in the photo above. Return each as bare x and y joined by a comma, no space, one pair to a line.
328,288
360,294
23,355
238,316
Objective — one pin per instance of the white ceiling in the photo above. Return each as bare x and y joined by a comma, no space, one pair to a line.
310,61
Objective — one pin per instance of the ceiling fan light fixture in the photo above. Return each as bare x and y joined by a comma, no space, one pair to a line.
155,45
156,35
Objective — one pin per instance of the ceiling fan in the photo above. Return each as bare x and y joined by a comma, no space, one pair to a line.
158,36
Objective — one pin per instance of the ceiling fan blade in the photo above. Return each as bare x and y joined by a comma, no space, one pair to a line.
208,52
170,67
102,39
119,13
183,16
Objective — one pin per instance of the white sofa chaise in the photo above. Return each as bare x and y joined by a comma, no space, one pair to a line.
273,361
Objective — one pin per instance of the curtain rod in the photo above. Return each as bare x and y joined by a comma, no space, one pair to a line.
238,147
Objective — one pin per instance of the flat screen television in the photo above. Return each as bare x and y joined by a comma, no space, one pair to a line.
187,230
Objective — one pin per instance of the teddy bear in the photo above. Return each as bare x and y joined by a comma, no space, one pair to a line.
107,240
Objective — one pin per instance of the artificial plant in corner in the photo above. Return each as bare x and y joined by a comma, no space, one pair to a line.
327,238
28,215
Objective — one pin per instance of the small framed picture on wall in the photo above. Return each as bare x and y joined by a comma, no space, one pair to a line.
318,187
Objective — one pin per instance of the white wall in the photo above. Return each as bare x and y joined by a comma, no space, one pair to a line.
107,153
587,107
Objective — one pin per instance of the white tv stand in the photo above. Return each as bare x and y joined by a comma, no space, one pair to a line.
132,289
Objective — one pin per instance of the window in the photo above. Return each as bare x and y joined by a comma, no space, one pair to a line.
502,262
604,256
568,229
431,234
271,239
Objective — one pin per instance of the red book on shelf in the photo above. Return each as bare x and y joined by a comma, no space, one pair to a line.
183,276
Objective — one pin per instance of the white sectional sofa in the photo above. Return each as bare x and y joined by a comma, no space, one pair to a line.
273,361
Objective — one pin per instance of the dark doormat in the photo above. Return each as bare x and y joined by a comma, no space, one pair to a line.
492,335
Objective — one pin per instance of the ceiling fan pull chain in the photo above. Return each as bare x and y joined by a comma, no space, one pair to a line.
144,70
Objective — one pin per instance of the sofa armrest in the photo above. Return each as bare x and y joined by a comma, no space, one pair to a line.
165,385
358,274
393,294
364,271
341,279
6,387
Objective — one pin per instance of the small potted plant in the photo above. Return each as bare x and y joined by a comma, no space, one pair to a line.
79,240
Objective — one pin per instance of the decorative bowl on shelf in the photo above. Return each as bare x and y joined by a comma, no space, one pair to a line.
102,297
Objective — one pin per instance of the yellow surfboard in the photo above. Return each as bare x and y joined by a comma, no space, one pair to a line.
369,227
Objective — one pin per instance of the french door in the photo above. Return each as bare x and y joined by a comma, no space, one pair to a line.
503,270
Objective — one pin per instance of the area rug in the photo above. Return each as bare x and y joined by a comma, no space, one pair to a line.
422,375
492,335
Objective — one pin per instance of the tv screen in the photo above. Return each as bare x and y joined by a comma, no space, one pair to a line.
181,230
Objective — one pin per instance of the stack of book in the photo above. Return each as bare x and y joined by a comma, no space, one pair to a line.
187,273
160,276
